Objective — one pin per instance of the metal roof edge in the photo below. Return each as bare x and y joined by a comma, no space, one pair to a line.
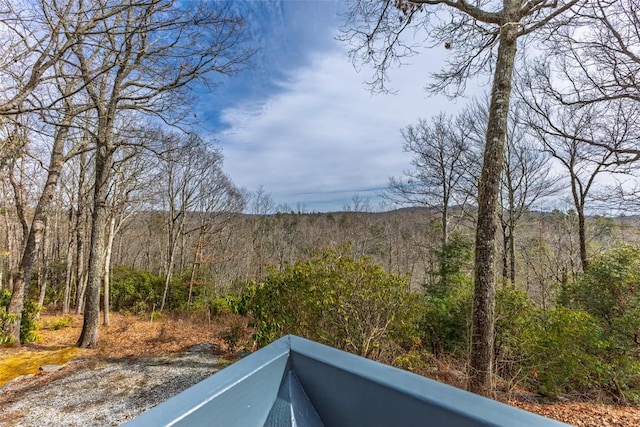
344,388
457,401
253,378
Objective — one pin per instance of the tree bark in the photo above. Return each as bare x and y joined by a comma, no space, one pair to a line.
81,226
582,237
34,238
43,270
167,281
66,296
512,253
505,251
481,366
107,270
103,163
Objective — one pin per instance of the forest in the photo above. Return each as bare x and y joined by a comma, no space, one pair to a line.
509,247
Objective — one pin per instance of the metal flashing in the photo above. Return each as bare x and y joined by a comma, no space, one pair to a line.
297,382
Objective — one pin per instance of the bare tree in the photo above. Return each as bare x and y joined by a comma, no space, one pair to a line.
260,205
440,163
597,56
144,58
131,176
526,178
358,203
596,69
81,225
185,164
588,140
62,120
216,209
596,61
34,40
481,37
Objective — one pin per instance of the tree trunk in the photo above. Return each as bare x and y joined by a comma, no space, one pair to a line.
174,232
107,269
512,253
89,335
196,260
80,273
10,239
167,281
66,296
505,252
81,226
480,369
43,270
18,194
582,236
34,237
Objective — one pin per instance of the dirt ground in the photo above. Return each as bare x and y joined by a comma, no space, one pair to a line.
140,362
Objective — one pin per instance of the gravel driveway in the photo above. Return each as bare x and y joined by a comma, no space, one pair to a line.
104,392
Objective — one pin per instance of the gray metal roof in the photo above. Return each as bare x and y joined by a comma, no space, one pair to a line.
297,382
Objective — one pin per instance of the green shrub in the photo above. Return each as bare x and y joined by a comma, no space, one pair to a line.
178,293
564,350
219,306
156,315
62,323
140,292
28,323
559,351
453,266
446,308
233,334
4,317
235,303
610,291
515,317
416,361
333,298
446,322
134,290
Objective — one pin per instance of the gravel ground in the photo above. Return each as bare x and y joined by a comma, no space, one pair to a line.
103,392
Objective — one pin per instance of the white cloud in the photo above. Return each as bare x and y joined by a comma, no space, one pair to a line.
325,133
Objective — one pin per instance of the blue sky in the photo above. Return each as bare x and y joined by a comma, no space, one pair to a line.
302,123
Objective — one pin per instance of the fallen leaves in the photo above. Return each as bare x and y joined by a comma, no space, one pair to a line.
583,414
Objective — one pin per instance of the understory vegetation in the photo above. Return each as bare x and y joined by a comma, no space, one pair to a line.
587,346
28,326
573,337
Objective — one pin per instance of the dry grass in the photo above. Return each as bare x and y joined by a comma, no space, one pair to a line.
126,336
29,362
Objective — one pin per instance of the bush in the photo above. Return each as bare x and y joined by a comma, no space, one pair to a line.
453,267
445,323
609,290
564,350
28,324
134,290
515,315
233,334
558,351
336,299
62,323
140,292
446,316
221,305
